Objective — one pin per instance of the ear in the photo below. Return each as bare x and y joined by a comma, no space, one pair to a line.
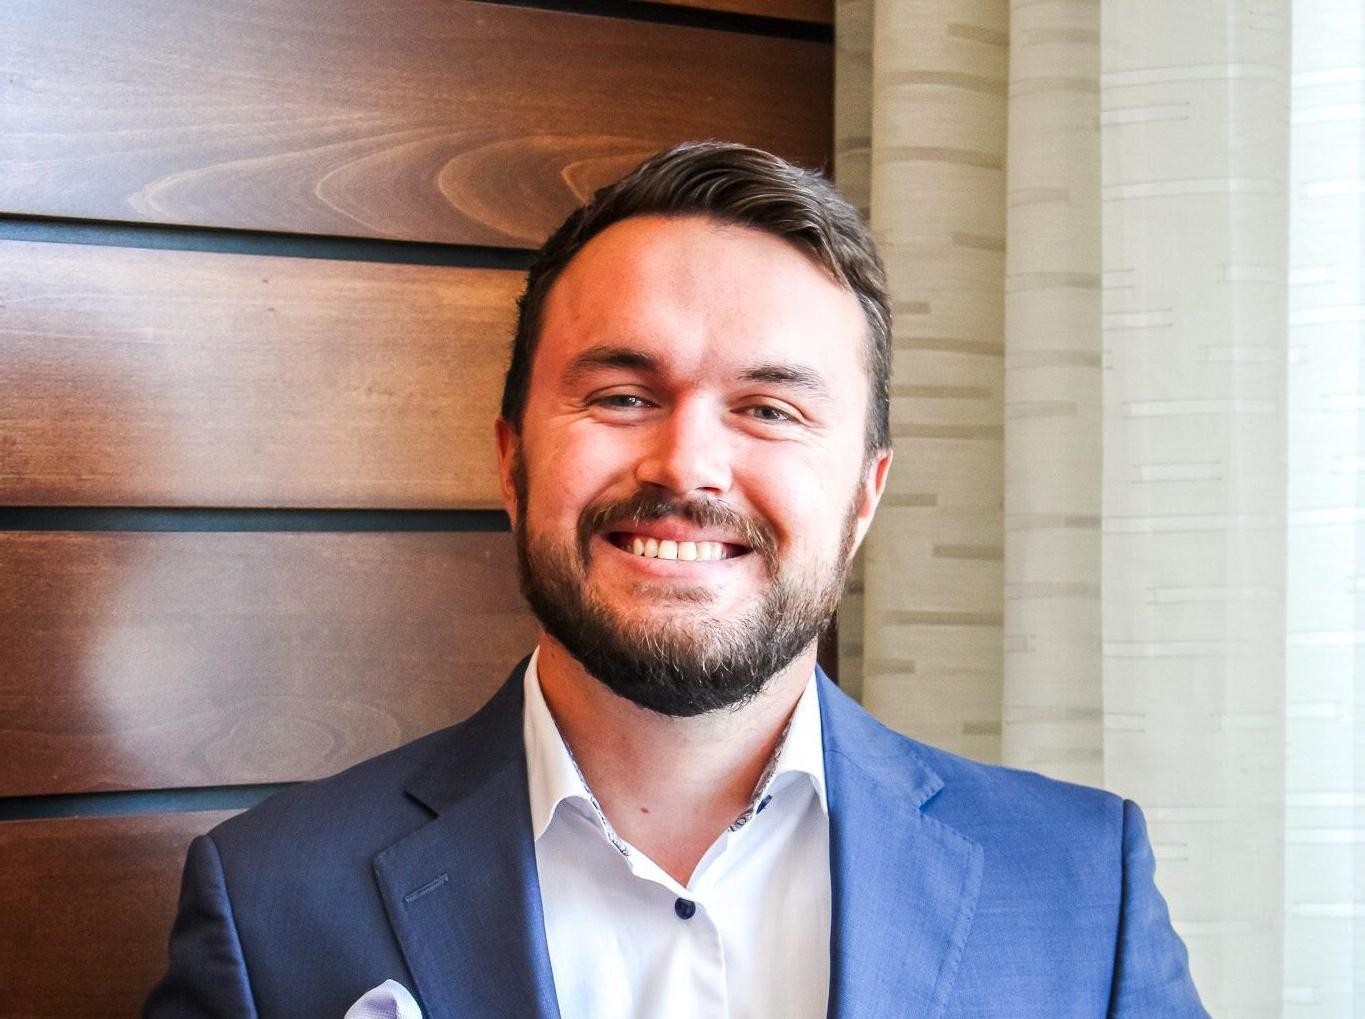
509,449
870,488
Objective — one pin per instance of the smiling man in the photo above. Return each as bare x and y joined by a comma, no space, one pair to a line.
668,810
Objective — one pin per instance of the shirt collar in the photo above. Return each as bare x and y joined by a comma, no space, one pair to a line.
550,770
554,777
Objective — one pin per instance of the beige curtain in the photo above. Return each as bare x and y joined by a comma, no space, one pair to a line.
1124,541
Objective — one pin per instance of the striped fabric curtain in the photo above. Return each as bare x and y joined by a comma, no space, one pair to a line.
1124,537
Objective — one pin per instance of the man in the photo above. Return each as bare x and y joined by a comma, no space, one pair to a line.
668,810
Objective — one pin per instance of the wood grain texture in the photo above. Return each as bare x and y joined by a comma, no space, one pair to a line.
818,11
436,120
168,660
178,378
85,909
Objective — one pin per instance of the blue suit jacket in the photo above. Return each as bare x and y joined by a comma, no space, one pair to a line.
959,889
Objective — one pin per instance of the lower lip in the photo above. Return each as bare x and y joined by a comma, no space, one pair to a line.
691,568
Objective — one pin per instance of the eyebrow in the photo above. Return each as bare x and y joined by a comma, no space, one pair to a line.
793,375
600,358
604,357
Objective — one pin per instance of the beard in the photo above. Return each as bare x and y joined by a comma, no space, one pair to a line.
698,662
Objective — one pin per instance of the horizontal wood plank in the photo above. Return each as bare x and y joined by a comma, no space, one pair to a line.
435,120
168,660
178,378
86,906
820,12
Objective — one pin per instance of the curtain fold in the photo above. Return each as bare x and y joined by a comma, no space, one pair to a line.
1122,539
931,650
1053,396
1325,605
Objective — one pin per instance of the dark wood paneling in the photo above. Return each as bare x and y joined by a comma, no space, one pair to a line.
818,11
180,378
436,120
85,908
163,660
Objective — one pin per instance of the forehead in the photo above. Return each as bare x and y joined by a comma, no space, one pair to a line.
701,295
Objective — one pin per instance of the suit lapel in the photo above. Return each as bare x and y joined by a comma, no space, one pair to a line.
462,891
904,884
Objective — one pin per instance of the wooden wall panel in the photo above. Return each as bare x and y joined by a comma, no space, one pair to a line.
179,378
144,378
438,120
817,11
85,908
166,660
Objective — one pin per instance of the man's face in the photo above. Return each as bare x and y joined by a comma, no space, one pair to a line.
690,480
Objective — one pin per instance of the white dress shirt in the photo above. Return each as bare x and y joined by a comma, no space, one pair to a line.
747,937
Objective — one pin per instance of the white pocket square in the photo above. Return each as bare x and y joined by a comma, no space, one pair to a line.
390,1000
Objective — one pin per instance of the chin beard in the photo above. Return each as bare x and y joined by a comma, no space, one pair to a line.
679,669
698,663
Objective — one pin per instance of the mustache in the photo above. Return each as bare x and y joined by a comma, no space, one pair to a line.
645,506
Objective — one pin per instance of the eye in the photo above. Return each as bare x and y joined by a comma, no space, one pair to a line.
620,401
767,412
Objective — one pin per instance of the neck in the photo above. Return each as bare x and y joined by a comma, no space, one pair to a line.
669,786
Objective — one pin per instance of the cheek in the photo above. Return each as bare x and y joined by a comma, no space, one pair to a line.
791,492
567,472
806,496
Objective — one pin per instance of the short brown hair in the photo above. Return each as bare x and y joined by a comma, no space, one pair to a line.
737,185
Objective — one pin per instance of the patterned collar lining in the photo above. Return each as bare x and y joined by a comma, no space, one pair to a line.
756,804
552,782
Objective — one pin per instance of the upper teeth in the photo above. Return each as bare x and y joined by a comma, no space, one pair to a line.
689,551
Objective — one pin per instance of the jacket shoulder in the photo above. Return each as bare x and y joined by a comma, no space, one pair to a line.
327,813
366,807
1016,797
976,798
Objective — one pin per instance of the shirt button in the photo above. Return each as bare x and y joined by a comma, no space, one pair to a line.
685,908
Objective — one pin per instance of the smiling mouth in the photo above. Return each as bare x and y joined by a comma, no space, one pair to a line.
683,551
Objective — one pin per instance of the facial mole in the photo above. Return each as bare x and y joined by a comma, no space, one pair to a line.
644,810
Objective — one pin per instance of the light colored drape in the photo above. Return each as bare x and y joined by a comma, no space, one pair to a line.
1123,541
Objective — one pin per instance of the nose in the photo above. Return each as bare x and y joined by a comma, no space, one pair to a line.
688,451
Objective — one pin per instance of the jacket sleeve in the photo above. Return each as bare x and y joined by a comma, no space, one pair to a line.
1151,966
207,975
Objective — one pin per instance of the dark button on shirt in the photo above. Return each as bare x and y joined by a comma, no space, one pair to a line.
685,908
